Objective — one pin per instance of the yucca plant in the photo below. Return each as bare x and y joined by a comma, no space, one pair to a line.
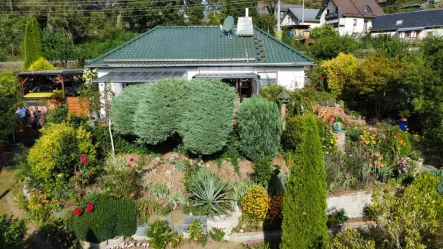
210,193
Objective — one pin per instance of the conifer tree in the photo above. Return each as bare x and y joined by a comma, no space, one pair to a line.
304,205
32,43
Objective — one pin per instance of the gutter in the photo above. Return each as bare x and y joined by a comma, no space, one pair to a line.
300,64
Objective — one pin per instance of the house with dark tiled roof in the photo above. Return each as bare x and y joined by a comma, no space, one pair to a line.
246,58
410,25
349,17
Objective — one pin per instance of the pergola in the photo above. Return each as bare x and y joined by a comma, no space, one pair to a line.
62,75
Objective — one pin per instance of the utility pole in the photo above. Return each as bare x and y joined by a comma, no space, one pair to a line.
303,12
278,16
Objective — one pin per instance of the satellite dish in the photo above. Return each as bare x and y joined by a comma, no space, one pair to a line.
228,24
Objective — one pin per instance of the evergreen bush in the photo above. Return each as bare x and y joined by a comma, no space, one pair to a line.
292,134
32,43
207,119
259,128
304,205
41,64
58,115
124,106
109,218
160,111
263,171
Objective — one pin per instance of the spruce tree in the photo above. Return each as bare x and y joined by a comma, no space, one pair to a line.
304,205
32,43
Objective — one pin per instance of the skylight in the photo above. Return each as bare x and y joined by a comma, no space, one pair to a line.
399,22
367,9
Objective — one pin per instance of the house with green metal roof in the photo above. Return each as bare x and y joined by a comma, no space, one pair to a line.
246,60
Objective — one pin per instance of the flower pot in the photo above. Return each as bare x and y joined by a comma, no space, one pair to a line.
337,126
116,240
101,245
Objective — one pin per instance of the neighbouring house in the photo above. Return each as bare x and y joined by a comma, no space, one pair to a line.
349,17
410,26
245,58
301,21
262,7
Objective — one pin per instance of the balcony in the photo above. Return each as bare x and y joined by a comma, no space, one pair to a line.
333,15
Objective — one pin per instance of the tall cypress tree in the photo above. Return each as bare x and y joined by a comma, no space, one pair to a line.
32,43
304,205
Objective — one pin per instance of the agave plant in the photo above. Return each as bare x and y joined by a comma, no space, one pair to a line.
210,193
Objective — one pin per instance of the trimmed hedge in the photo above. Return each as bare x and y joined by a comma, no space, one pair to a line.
259,128
207,118
111,217
160,111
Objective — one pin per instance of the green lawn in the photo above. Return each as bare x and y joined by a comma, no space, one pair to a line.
7,204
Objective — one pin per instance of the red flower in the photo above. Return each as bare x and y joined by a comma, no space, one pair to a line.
131,159
89,207
133,180
129,165
83,158
86,164
78,211
320,77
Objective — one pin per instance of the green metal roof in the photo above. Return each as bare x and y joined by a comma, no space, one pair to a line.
200,45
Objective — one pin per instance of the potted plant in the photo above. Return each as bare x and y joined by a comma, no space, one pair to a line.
403,123
337,125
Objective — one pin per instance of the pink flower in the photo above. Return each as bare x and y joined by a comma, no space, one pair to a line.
405,170
377,154
83,158
399,172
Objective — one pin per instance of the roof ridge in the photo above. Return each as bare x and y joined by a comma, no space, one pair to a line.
123,45
409,12
284,44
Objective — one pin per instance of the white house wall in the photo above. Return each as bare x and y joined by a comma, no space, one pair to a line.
289,77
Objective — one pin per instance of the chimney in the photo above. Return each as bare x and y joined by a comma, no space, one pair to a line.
244,25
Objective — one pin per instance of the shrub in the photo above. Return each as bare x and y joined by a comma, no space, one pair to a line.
302,100
56,152
12,232
160,111
337,217
339,71
110,217
210,193
10,97
292,134
159,234
57,235
263,171
41,64
58,115
350,239
275,212
271,92
122,177
255,204
145,208
207,116
32,43
217,234
195,230
259,128
124,106
304,204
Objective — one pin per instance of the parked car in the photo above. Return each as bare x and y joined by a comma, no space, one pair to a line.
44,91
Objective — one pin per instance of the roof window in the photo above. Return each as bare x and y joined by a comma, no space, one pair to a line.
367,9
399,22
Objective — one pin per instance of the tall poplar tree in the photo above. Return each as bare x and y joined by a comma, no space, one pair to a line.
32,43
304,204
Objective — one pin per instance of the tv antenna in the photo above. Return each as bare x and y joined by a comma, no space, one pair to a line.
228,24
